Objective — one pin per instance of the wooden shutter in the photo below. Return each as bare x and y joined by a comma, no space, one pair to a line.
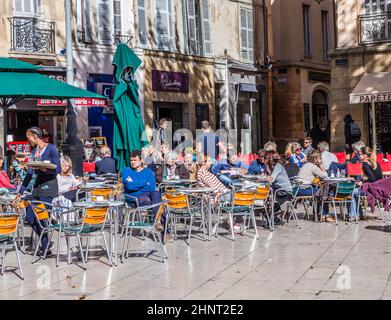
243,34
104,22
142,23
205,22
117,16
250,35
87,28
192,26
162,24
18,6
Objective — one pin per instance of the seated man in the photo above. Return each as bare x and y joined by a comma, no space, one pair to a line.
327,157
139,182
225,167
258,166
107,164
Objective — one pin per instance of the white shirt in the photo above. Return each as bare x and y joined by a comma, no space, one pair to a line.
65,183
327,158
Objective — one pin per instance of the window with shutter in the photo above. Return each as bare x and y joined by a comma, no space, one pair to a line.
87,27
142,23
246,34
27,7
117,17
205,18
192,27
163,24
104,22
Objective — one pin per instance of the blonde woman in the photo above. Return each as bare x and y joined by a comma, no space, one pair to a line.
371,168
297,156
67,183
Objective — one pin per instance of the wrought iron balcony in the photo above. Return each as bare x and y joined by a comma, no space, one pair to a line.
374,28
30,35
122,38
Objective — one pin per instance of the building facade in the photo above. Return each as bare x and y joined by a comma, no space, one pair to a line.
34,31
201,60
303,34
362,60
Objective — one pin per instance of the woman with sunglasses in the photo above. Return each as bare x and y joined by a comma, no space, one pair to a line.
297,155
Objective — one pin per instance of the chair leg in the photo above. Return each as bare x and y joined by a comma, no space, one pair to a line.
157,246
255,225
81,251
48,244
2,259
162,246
107,248
190,226
58,248
18,260
231,223
127,245
124,243
335,212
68,249
87,247
37,247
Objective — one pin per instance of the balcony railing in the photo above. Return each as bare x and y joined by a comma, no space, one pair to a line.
374,28
30,35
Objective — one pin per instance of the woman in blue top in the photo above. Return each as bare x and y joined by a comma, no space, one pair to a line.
45,186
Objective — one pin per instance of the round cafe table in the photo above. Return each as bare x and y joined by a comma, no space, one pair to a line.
209,192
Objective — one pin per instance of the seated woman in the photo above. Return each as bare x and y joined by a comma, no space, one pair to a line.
280,181
372,173
67,183
297,155
370,166
291,168
190,166
311,171
225,167
4,179
258,166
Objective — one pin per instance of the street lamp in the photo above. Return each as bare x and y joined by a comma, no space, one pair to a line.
72,146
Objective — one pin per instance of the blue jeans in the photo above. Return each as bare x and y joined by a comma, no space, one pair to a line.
355,203
32,220
225,179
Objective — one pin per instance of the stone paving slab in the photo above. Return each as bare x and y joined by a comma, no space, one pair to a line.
315,261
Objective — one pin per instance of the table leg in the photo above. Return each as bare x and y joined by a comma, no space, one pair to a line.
210,219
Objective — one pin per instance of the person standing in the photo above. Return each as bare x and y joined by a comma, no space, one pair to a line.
317,135
46,186
352,133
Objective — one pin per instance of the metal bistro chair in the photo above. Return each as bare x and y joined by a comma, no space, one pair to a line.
178,207
343,196
93,221
242,205
262,202
131,222
8,230
305,200
288,207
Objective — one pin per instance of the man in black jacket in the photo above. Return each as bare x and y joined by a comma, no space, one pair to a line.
352,133
107,164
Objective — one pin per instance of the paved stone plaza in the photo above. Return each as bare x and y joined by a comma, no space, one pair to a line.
317,261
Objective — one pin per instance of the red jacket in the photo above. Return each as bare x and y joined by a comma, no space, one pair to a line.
5,181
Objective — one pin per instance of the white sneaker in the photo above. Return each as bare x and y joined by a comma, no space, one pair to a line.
237,227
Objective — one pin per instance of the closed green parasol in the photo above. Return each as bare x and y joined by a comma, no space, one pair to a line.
128,123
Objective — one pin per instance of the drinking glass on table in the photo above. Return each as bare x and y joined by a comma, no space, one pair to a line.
85,178
343,173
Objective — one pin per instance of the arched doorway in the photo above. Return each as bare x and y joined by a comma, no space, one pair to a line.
320,108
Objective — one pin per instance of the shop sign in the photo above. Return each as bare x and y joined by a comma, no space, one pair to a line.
170,81
79,102
282,79
368,98
319,77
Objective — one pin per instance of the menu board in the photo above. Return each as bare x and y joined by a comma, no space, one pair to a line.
100,141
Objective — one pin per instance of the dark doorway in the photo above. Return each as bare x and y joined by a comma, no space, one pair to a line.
320,108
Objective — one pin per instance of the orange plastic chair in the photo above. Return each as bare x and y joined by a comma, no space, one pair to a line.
261,199
8,229
105,193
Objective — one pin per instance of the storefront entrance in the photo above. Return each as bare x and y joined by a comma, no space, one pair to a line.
320,108
383,124
170,111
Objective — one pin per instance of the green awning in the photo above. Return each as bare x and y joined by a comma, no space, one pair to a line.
35,85
14,64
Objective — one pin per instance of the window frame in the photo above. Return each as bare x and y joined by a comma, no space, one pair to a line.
307,31
247,29
170,24
325,33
